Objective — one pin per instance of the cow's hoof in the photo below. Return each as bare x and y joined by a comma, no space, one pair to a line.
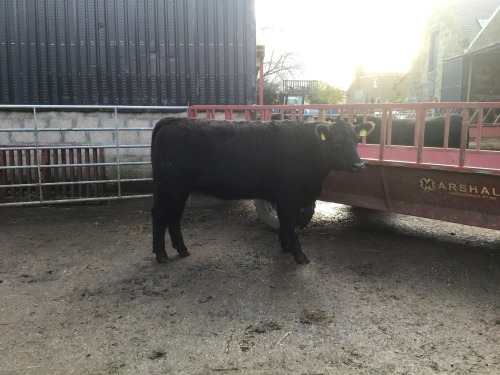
162,258
301,259
184,253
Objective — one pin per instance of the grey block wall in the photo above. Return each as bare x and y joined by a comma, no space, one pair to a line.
18,128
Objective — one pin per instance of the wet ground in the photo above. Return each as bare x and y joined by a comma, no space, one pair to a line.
81,293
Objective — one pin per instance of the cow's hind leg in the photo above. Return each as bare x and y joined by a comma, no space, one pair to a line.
159,216
289,228
174,224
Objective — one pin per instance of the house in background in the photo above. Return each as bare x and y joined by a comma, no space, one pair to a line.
377,87
452,26
475,75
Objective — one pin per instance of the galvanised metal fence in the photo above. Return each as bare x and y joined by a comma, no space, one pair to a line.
69,154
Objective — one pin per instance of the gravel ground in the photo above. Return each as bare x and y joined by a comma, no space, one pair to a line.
81,293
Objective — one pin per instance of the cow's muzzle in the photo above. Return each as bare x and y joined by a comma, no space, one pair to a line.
358,167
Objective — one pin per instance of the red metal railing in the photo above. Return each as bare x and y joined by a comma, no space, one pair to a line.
473,125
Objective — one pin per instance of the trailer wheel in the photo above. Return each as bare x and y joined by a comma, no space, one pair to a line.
269,215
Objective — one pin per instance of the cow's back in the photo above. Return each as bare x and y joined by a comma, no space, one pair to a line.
402,133
435,131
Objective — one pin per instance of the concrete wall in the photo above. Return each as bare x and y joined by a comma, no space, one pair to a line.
87,128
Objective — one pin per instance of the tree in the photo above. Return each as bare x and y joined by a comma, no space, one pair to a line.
327,94
282,67
278,68
270,92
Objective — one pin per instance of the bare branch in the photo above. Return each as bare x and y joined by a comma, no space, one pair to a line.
282,67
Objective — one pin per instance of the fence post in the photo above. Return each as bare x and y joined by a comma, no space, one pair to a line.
38,157
117,155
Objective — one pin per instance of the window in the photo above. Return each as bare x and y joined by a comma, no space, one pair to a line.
433,52
482,22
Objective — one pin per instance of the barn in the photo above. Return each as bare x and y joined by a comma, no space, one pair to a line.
127,52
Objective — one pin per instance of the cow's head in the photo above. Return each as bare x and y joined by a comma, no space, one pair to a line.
339,142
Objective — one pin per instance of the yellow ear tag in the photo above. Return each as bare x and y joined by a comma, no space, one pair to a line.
323,136
362,133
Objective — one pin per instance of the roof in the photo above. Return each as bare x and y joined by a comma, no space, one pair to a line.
470,12
488,37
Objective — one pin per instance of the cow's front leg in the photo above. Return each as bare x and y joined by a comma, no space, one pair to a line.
289,229
284,240
297,252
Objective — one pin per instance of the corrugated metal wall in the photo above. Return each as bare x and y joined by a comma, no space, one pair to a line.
129,52
451,85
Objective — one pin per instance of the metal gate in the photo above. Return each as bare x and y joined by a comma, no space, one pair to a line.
68,172
69,154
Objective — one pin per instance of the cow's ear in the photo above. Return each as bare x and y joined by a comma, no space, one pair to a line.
321,131
364,129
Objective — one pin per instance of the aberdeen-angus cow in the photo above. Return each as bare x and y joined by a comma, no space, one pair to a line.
284,163
403,131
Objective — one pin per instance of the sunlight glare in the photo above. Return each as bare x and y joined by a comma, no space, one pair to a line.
331,38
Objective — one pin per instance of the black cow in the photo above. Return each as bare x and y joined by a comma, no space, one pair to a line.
284,163
403,131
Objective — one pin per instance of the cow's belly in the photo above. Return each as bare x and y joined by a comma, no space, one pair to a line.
233,186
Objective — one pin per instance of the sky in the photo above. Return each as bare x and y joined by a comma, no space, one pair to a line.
332,37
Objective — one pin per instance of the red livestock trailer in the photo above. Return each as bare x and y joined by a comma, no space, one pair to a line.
460,185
